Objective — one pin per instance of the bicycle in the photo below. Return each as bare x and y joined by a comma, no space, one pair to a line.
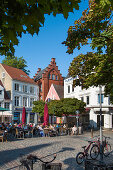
83,155
27,162
106,147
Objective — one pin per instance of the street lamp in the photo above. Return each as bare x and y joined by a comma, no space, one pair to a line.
101,136
77,117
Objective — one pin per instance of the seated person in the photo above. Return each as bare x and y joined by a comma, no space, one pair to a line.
64,126
51,127
25,127
74,130
41,130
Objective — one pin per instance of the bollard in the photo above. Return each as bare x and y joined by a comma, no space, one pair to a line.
91,132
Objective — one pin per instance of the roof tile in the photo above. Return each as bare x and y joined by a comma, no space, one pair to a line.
18,74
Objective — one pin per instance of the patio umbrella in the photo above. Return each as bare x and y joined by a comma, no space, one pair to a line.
23,115
46,115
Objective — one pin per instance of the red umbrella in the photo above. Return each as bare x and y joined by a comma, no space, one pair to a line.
23,115
46,115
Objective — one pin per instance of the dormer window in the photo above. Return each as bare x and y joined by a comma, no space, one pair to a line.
3,74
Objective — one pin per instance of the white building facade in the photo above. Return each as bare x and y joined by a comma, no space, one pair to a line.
22,91
23,94
91,97
5,102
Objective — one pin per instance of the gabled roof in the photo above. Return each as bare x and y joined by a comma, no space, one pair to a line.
39,75
18,74
60,90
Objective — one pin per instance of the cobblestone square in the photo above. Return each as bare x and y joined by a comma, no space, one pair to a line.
66,148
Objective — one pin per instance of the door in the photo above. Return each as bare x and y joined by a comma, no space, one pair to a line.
98,120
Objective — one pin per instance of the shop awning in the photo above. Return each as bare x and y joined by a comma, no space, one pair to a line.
3,109
5,113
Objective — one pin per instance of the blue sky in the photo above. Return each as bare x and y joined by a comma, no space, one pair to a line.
38,50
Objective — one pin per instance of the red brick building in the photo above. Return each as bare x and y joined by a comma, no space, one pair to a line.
46,77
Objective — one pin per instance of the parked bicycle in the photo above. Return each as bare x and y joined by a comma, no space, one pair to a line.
27,162
106,147
95,150
84,155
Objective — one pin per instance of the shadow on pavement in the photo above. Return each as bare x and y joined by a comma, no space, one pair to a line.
13,154
72,165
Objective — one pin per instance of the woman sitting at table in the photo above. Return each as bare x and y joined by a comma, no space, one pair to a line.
41,130
51,127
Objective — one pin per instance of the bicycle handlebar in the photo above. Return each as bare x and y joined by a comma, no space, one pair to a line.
35,158
106,137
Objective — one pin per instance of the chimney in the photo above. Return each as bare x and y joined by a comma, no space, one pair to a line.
39,69
53,61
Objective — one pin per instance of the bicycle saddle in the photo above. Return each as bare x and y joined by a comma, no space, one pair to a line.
83,147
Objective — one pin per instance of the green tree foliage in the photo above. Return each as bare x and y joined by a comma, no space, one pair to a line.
94,25
66,106
93,69
61,107
55,108
39,107
16,62
27,16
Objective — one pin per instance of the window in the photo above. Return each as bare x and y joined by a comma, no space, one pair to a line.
109,100
31,102
68,89
49,76
0,91
87,99
41,88
6,105
16,100
102,98
82,99
56,77
32,90
24,101
16,87
25,88
53,77
72,88
32,117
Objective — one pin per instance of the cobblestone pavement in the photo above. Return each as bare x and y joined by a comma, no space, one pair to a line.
66,148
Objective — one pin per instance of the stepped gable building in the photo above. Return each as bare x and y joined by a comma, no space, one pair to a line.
46,77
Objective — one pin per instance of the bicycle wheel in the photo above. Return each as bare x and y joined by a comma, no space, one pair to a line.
107,149
80,158
94,152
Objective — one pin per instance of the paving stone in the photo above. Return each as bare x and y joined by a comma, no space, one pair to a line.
66,148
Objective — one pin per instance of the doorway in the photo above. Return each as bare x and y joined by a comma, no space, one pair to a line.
98,120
